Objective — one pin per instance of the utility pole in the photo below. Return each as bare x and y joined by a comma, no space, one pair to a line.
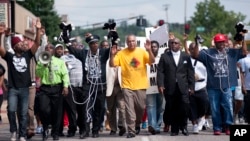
12,13
166,6
185,12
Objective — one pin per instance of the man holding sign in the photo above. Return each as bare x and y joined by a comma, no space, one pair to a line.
154,99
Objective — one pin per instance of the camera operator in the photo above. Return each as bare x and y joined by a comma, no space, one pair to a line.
94,82
222,75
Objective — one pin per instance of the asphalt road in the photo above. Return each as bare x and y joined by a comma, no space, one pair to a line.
144,135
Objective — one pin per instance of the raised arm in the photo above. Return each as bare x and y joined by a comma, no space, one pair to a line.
149,50
38,37
196,49
185,37
244,48
2,30
7,41
112,55
44,42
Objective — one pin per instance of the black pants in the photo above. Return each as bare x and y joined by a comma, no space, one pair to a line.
50,107
79,100
70,107
198,104
247,106
177,109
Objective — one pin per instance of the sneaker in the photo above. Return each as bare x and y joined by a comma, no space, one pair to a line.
13,136
236,119
195,129
201,122
241,120
217,132
22,139
206,125
39,130
144,125
227,132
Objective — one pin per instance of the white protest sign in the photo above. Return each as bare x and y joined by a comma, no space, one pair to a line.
160,35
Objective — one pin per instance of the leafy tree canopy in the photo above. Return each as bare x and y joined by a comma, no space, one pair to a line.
45,10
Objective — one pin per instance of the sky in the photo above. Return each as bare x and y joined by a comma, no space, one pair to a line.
88,12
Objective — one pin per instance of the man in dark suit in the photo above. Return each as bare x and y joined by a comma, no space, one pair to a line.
175,79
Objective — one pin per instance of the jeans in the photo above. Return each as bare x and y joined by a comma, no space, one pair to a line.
154,106
218,100
18,104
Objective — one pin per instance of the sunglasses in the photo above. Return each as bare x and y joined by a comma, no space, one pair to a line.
174,43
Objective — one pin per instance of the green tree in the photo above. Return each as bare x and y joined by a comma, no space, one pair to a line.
214,18
49,17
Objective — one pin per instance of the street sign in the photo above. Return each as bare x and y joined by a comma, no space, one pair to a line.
200,29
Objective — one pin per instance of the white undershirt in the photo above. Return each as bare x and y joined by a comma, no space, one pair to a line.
176,56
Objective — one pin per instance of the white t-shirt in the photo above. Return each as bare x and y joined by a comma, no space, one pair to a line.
245,65
201,71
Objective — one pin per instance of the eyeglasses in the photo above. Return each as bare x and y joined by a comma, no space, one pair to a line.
174,43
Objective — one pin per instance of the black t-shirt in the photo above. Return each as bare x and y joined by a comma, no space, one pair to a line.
19,69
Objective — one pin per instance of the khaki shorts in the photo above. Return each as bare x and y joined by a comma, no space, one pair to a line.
238,93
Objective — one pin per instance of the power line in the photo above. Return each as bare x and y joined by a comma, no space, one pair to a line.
107,6
116,20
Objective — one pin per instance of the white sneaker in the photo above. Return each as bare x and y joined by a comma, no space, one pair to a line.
206,124
39,130
22,139
241,120
195,129
236,119
13,136
201,122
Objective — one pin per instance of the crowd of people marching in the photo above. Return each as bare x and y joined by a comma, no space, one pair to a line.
48,82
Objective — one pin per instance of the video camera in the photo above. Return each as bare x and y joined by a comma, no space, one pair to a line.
65,33
112,34
199,39
239,32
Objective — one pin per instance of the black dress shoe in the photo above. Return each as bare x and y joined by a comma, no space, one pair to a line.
137,130
130,135
122,131
55,137
185,132
95,134
84,135
45,135
173,134
71,134
112,132
151,130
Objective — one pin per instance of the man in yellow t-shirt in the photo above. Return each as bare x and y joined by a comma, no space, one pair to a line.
132,61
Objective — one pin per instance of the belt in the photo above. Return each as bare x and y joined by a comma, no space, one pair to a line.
52,85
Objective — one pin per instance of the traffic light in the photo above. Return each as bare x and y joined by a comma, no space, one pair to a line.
141,22
187,28
161,22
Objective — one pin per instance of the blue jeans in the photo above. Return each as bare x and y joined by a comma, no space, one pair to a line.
155,109
218,100
18,105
